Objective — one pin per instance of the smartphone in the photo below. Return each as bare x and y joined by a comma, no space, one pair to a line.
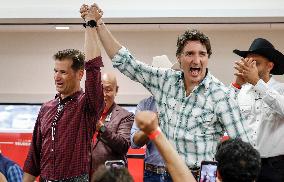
115,164
208,171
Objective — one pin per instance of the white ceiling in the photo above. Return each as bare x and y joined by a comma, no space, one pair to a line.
44,15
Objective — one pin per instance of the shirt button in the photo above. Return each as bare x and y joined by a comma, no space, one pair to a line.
51,150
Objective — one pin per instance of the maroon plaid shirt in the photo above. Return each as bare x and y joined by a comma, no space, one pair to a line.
68,155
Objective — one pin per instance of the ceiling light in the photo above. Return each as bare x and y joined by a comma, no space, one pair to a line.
62,28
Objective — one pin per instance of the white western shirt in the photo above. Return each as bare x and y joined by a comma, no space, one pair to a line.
263,107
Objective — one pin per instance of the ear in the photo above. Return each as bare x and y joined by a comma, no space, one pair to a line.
81,74
270,66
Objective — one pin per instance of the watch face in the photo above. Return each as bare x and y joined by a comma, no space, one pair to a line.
92,23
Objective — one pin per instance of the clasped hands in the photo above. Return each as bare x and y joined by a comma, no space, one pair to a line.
247,71
92,12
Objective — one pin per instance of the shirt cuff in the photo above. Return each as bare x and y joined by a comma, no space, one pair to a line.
122,56
119,54
94,63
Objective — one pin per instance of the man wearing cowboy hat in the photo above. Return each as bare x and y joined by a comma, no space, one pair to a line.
261,99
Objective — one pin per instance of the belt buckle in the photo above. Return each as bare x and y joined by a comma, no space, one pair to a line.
161,170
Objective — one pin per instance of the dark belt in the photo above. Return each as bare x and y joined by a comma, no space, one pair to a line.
82,178
155,169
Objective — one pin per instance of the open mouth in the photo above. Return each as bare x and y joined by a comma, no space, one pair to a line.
194,71
59,84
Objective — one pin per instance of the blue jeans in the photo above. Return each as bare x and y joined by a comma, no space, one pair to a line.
154,177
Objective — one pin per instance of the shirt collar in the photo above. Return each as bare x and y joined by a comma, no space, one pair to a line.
205,82
271,81
70,97
110,109
207,79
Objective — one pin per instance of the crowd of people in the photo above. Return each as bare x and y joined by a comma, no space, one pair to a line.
181,124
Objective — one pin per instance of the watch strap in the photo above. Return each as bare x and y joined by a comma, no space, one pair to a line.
90,23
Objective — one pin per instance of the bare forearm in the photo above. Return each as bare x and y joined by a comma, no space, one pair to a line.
92,48
140,138
111,45
28,178
176,166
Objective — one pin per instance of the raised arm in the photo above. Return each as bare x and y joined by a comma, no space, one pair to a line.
91,47
151,78
148,122
93,85
138,137
109,42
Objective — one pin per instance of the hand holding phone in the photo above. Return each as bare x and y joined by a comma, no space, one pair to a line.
208,171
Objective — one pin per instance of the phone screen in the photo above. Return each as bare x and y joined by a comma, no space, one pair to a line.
208,171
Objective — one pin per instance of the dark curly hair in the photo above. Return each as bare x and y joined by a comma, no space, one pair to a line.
193,35
73,54
238,161
104,174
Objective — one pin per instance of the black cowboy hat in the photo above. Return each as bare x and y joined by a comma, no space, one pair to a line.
264,48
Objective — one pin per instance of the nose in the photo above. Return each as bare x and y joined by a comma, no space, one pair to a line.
196,59
57,76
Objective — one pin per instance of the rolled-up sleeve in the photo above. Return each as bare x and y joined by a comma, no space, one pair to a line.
150,77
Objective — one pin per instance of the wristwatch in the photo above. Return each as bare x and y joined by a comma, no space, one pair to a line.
102,129
91,23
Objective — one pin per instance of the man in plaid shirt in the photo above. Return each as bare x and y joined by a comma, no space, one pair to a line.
61,144
195,108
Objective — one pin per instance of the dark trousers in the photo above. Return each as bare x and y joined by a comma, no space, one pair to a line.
272,169
150,176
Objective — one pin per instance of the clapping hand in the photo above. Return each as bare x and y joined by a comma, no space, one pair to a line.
247,71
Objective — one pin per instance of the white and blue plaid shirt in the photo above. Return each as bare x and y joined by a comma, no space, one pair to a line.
194,123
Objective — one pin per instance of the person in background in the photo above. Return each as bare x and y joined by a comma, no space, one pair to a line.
261,99
112,137
154,167
10,170
147,121
194,107
61,143
104,174
238,161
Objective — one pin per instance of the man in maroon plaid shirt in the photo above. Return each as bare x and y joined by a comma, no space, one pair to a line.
61,143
